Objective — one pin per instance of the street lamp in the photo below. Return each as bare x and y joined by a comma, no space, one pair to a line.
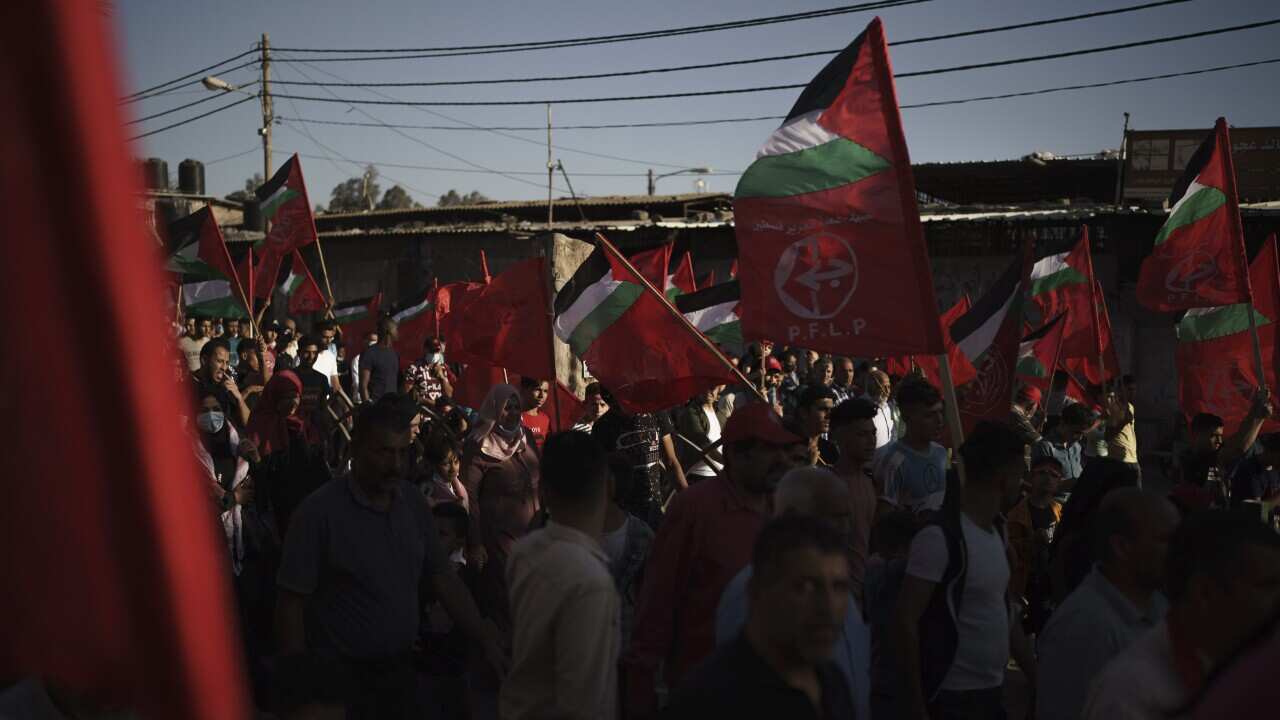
653,179
212,82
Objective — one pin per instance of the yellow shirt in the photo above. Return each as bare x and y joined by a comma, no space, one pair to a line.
1124,446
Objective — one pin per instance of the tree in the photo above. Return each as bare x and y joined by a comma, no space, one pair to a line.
356,194
250,185
453,198
396,198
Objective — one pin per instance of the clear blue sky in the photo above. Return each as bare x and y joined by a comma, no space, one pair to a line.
160,40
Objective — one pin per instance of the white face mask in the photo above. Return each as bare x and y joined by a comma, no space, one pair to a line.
435,359
211,422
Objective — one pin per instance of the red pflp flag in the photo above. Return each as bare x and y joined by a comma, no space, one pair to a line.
116,578
962,371
505,322
1217,370
453,329
829,238
1199,256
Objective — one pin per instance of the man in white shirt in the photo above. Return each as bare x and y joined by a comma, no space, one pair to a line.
1224,588
953,661
563,601
879,389
910,473
699,423
193,341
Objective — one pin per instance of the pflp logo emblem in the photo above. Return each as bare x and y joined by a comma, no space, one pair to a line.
816,277
1197,267
988,392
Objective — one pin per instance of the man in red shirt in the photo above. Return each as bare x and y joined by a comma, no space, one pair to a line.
533,395
704,540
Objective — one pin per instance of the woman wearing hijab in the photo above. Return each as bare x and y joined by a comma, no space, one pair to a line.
218,451
500,473
292,462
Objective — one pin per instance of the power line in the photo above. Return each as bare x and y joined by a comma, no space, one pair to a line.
793,86
380,164
720,121
462,50
422,142
211,96
180,123
732,63
531,128
135,97
253,149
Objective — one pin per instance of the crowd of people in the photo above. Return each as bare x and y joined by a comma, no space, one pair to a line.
810,545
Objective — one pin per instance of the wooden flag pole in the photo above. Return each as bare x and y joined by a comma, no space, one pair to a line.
553,382
952,410
324,270
177,305
684,321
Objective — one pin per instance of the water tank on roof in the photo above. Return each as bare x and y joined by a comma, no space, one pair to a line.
191,177
155,174
252,215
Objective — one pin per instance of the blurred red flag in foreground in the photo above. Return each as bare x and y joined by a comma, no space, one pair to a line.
117,580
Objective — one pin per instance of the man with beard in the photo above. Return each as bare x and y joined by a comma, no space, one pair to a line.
214,376
812,421
354,558
842,382
704,541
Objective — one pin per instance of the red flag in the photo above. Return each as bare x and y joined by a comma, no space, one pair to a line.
1199,257
452,330
117,579
829,236
962,370
681,276
416,321
475,381
1217,370
646,356
1038,354
988,336
358,319
484,267
505,322
1099,339
303,292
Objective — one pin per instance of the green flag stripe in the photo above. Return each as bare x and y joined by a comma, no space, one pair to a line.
1059,279
1218,322
280,197
602,316
1032,366
728,334
1202,204
829,165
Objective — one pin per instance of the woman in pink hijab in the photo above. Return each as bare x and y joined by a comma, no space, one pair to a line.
500,472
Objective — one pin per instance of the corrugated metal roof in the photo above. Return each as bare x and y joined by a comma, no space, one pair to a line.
597,201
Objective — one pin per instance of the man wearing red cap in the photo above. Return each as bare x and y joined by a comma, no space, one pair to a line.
1022,412
704,540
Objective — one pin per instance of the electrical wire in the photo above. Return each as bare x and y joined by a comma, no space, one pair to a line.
380,164
461,50
180,123
147,94
233,157
719,121
729,63
211,96
793,86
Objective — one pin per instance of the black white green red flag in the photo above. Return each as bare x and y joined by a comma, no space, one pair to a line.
1038,353
284,203
830,247
1199,257
714,312
301,288
210,286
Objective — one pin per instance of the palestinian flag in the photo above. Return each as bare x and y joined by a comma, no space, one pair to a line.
988,338
210,287
633,340
1217,371
1038,354
1060,280
1199,256
284,203
714,311
831,250
417,321
301,288
961,369
595,297
680,279
358,318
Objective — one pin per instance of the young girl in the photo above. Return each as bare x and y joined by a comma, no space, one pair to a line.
443,462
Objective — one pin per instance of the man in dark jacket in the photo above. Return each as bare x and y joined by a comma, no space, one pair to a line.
699,424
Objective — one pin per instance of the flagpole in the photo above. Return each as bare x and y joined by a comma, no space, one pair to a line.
949,398
248,299
324,270
550,289
1243,254
684,321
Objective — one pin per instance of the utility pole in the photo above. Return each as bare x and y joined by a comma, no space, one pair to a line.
651,181
551,168
267,119
1124,150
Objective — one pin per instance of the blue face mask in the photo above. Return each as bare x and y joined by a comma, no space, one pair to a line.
211,422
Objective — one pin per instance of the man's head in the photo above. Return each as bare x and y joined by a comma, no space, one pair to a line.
291,326
799,591
1074,423
233,327
192,328
879,387
271,332
708,397
1046,475
575,474
1132,529
594,404
328,332
533,393
921,406
1224,571
843,372
822,373
451,520
206,327
408,410
248,352
853,428
215,359
758,450
309,348
790,362
388,331
379,445
813,410
995,458
1206,432
816,493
